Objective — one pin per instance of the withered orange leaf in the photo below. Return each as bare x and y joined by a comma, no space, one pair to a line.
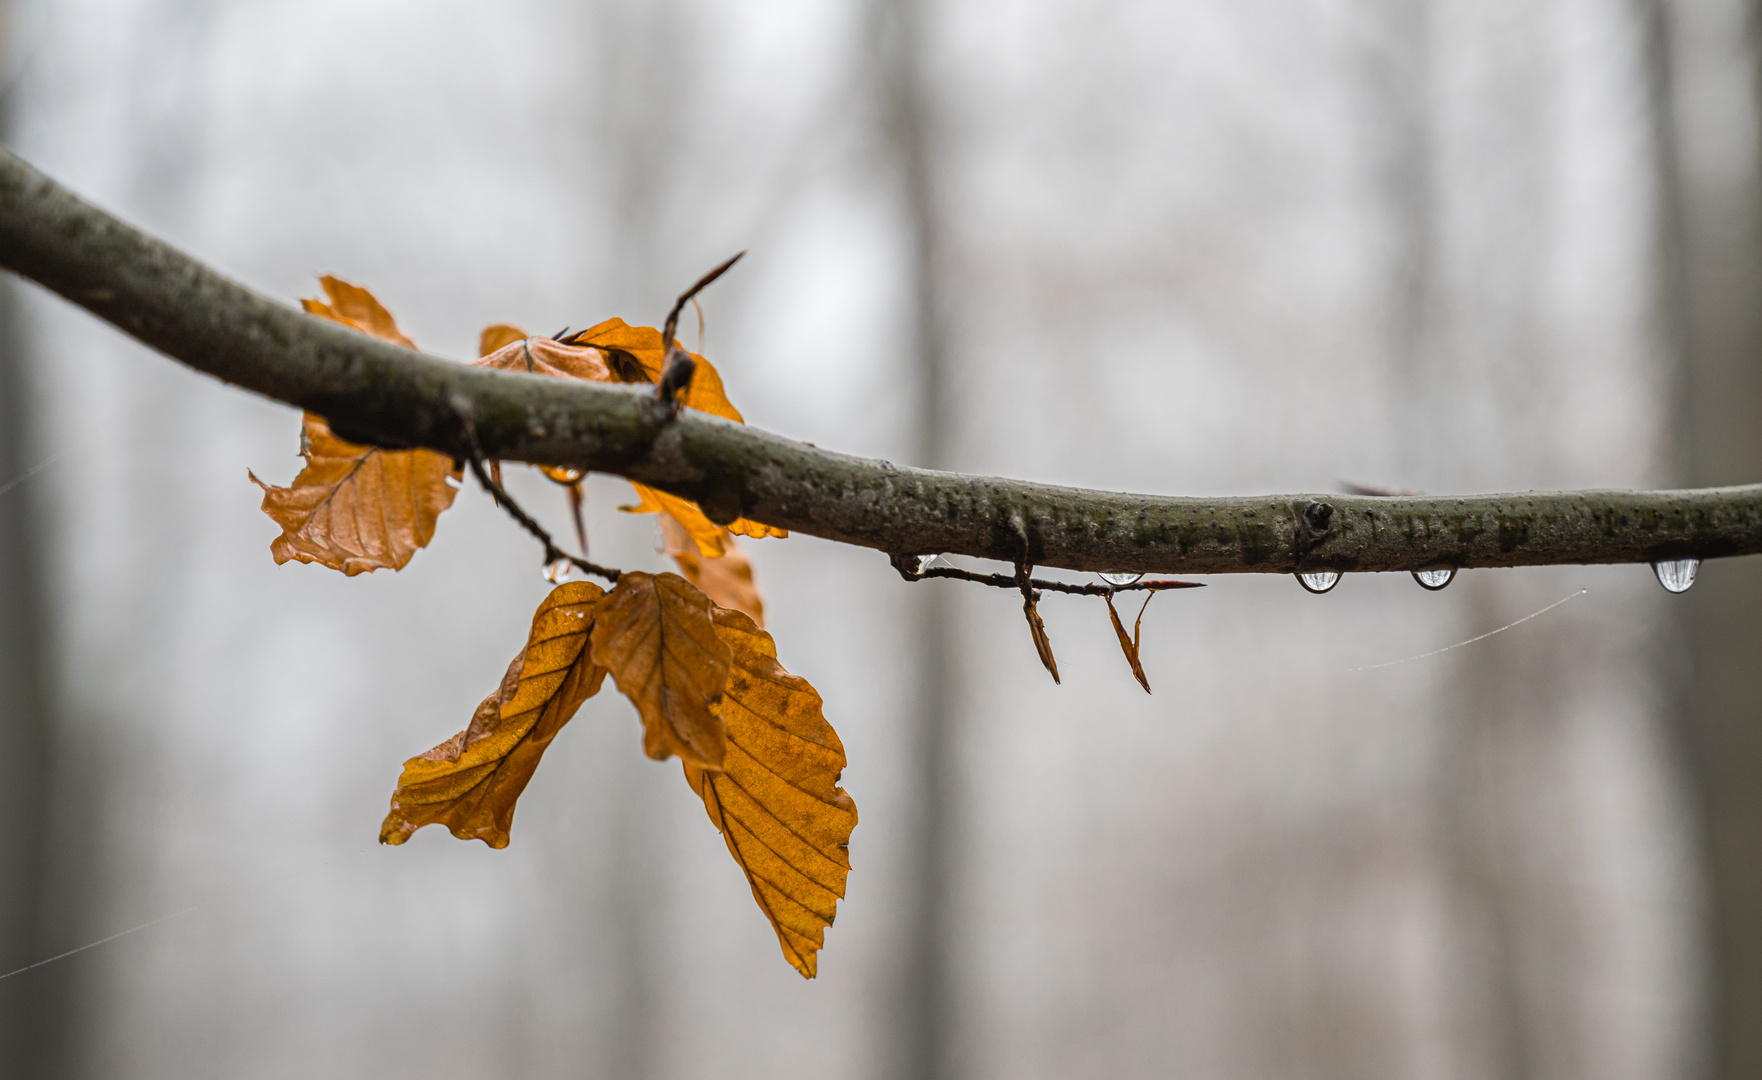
542,356
643,345
502,347
707,533
1042,644
496,335
586,357
357,508
654,633
470,782
354,306
726,579
777,801
1129,645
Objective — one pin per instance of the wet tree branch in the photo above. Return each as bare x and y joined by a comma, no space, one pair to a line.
372,391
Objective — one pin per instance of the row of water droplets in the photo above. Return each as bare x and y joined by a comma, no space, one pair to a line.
1676,575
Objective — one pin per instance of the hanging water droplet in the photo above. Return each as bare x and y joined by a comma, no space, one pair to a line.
1121,577
1676,575
1319,581
1435,578
558,572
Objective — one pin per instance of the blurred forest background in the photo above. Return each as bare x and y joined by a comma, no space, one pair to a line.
1183,247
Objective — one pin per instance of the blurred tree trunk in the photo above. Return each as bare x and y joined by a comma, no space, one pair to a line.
1713,235
24,718
923,1019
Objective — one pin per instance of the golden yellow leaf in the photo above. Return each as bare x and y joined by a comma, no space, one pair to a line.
357,508
470,782
777,801
654,633
726,579
354,306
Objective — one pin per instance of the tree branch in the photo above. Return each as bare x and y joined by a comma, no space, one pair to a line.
372,391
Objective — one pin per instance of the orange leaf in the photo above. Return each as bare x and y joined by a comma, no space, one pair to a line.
542,356
756,530
727,580
776,802
642,344
707,533
470,782
496,335
357,508
1129,645
654,634
354,306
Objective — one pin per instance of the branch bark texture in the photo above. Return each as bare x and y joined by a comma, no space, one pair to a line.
372,391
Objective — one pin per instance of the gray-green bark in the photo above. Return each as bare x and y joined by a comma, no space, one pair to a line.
371,390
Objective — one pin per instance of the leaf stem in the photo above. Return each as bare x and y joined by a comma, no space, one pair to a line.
506,502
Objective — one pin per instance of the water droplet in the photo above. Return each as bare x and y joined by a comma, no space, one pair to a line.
1435,578
1121,577
558,572
1319,581
1676,575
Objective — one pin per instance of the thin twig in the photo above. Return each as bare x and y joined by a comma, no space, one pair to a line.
672,323
677,365
1009,581
506,502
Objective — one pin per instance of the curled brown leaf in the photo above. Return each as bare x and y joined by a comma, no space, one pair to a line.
1037,629
1130,645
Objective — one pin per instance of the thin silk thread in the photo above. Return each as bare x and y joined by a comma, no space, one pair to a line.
167,918
1472,640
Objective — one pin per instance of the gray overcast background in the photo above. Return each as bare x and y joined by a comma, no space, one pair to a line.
1177,247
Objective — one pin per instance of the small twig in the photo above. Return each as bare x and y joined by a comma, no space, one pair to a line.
506,502
1008,581
685,297
677,366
